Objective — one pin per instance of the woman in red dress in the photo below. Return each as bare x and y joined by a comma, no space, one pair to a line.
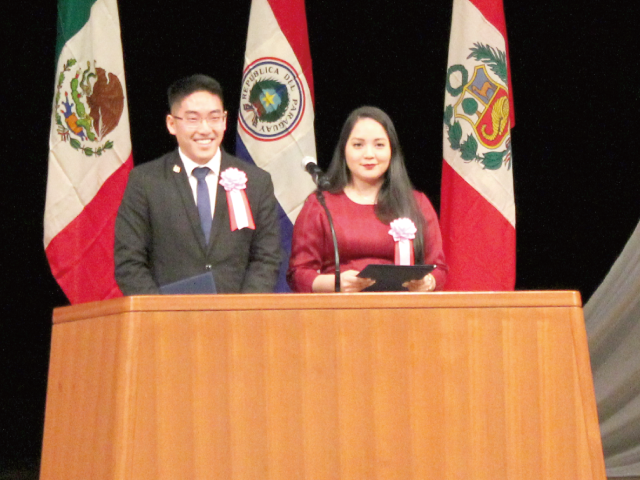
369,188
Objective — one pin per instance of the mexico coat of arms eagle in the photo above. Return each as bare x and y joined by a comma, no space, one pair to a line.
88,107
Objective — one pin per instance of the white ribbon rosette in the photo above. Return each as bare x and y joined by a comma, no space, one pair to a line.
403,231
234,182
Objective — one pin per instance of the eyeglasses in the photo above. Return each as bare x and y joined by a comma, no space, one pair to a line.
193,121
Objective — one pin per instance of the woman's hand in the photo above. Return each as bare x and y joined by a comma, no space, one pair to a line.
425,284
350,282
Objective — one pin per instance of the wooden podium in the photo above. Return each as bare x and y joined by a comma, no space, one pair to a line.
329,386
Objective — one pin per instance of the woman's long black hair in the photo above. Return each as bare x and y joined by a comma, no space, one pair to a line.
395,198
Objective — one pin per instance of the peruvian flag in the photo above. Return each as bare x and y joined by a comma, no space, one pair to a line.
477,211
90,150
275,119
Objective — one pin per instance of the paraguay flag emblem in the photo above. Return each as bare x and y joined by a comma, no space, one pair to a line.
272,99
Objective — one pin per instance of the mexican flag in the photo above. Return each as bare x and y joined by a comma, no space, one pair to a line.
477,211
275,119
90,150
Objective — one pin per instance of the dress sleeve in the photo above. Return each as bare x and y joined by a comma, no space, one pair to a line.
433,253
308,246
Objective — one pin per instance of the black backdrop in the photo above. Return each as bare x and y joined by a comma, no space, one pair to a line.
576,161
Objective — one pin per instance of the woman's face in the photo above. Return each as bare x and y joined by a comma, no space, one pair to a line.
368,152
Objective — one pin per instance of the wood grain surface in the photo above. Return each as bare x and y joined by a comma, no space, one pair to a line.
392,386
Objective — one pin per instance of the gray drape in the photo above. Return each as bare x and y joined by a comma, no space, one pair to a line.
612,318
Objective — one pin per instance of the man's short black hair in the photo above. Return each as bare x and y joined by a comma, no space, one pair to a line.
184,87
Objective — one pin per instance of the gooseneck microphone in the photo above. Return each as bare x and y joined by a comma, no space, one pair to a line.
311,166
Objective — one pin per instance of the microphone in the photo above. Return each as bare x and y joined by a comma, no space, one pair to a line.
311,166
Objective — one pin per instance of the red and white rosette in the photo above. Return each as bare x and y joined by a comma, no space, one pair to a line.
403,231
234,182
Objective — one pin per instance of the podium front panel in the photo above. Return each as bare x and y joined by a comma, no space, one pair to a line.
385,386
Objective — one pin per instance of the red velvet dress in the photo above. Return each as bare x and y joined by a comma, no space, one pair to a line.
362,239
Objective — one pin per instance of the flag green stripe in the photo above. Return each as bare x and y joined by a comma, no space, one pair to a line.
72,16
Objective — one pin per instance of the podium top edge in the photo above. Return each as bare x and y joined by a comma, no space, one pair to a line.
315,301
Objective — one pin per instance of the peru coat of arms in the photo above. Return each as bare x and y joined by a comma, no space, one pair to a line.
480,109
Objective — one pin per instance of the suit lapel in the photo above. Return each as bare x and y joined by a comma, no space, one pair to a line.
178,174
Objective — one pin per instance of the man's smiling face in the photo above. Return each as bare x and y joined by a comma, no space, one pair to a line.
198,123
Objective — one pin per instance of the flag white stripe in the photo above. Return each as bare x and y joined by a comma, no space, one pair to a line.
281,158
494,185
74,178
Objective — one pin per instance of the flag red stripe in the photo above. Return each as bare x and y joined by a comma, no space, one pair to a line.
81,255
493,11
292,19
480,240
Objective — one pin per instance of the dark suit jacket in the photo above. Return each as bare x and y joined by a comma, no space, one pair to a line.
158,238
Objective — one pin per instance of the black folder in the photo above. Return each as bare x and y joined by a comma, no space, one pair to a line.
389,278
199,284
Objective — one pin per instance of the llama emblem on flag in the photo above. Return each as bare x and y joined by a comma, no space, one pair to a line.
482,104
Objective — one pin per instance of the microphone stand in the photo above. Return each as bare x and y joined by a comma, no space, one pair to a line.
320,197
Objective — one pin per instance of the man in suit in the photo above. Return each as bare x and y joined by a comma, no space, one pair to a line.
162,227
